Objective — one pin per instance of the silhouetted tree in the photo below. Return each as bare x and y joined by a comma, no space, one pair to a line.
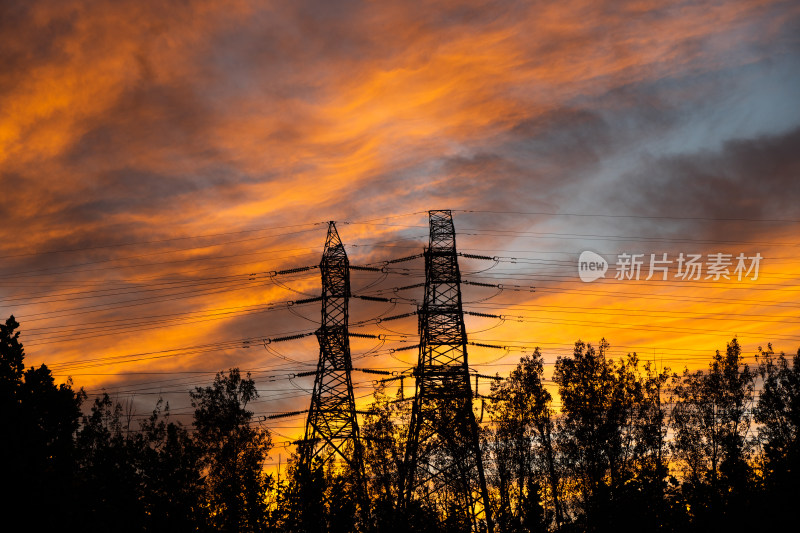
711,419
523,452
383,458
300,499
385,429
232,453
341,496
110,480
778,416
603,463
38,421
171,481
612,438
644,484
322,498
590,435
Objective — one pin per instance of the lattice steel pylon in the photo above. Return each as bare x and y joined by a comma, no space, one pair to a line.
443,463
332,426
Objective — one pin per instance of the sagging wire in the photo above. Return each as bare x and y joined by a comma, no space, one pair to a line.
380,325
396,358
496,261
497,325
275,281
285,444
506,351
298,387
379,322
396,291
392,308
273,351
378,281
499,291
372,351
298,315
373,320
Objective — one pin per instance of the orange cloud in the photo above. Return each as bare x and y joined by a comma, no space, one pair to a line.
128,130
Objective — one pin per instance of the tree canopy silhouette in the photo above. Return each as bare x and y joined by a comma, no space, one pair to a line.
608,443
39,419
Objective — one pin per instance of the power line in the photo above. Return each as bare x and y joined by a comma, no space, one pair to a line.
654,217
198,236
158,241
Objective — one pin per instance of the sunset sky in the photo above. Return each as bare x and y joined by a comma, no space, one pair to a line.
159,159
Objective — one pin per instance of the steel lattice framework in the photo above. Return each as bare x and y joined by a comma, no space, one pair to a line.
443,464
332,426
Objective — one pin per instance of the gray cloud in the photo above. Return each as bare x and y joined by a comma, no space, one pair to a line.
745,179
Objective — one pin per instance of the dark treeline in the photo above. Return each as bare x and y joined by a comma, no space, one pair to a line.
607,445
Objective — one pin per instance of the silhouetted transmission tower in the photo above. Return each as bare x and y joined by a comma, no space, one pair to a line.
443,463
332,427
